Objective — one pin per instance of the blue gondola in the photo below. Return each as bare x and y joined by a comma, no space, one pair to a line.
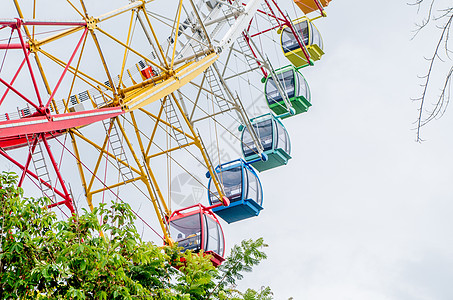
294,86
242,187
273,137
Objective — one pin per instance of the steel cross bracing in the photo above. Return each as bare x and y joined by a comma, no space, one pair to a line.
38,117
111,95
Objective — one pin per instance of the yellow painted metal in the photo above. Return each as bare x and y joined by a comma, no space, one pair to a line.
111,187
78,160
148,82
71,69
98,161
38,61
184,75
161,110
124,9
161,219
199,144
91,99
54,106
106,69
130,49
125,50
75,73
174,75
43,75
155,37
75,8
169,150
57,36
150,173
176,34
103,151
130,76
168,124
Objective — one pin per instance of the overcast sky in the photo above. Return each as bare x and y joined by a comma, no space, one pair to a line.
362,211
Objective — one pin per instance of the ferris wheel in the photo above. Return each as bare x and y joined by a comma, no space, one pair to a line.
115,103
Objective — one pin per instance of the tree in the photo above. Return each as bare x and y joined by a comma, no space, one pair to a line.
439,16
84,258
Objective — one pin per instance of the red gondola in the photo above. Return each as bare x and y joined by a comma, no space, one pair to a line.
196,228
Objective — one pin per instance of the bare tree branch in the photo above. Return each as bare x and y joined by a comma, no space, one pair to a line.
445,19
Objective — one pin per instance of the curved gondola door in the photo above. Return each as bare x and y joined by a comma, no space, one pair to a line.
294,86
310,37
308,6
196,228
275,141
242,187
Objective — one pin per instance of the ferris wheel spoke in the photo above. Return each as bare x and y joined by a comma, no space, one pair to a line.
129,37
74,77
10,87
93,82
82,3
104,64
66,69
74,7
13,80
177,21
131,49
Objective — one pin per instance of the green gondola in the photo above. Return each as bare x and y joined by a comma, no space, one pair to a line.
294,86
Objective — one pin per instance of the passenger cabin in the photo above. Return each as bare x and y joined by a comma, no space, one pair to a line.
274,139
196,228
308,35
308,6
294,86
242,187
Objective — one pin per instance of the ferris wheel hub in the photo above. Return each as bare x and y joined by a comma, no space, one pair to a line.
92,23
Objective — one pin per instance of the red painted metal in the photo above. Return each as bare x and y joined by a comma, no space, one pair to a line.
52,23
67,197
148,72
27,163
272,11
254,54
321,9
9,86
12,46
8,23
282,21
14,22
42,124
31,173
25,50
66,68
288,23
19,141
264,31
12,80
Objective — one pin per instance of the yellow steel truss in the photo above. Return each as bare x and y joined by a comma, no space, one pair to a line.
173,75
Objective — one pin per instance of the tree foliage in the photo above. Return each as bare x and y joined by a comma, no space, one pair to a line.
439,16
100,255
